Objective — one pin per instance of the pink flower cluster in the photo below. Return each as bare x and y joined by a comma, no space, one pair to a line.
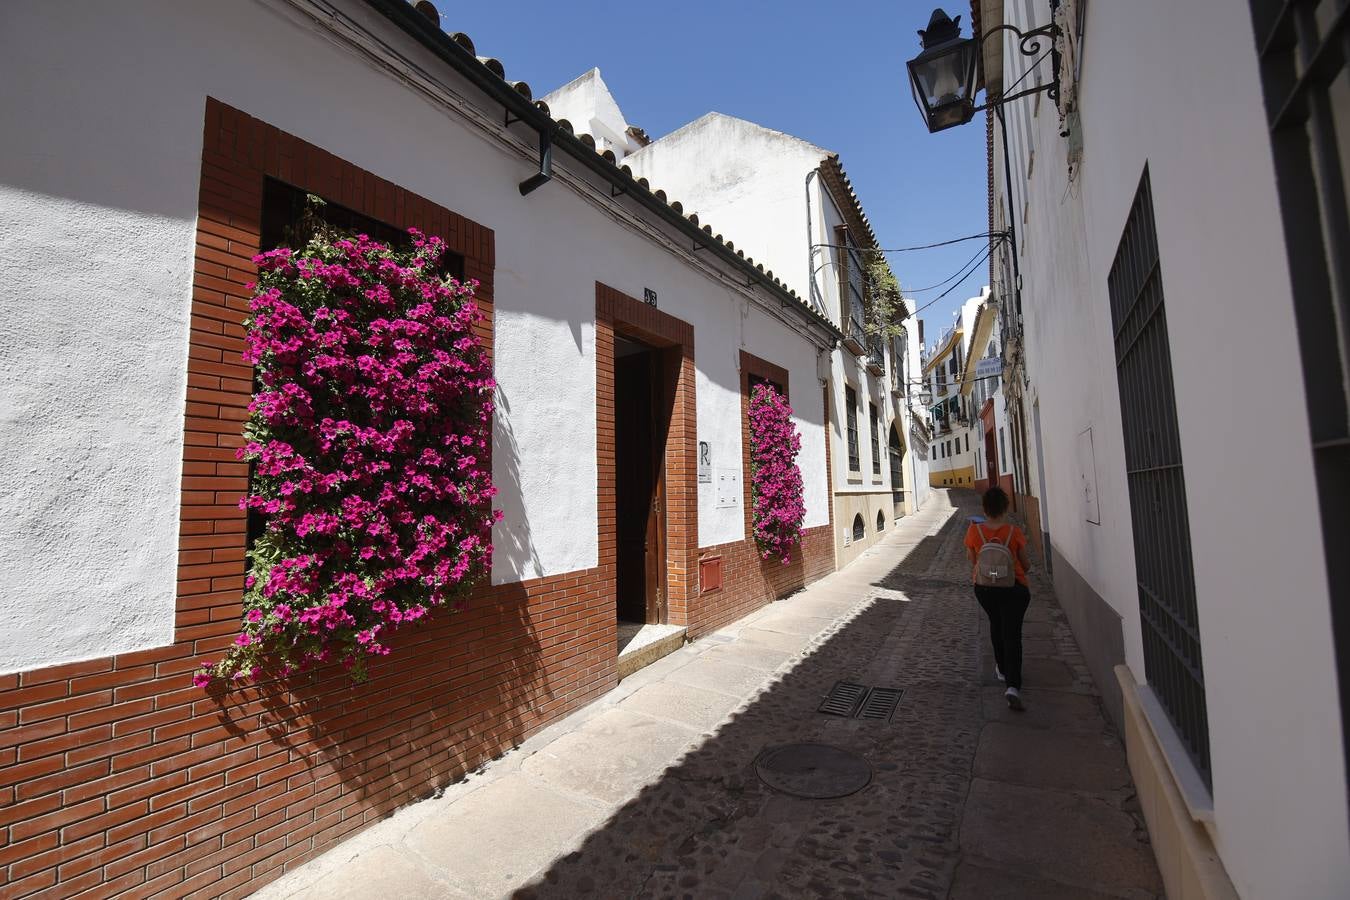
776,482
369,436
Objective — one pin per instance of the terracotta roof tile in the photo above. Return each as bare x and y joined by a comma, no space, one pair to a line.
495,66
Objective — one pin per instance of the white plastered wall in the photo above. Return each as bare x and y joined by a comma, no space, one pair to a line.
1176,87
761,188
97,218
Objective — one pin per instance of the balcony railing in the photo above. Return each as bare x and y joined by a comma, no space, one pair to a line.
855,337
876,355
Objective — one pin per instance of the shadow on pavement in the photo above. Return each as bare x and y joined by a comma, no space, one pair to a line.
708,827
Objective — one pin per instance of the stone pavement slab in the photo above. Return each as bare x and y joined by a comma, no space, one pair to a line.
1052,758
1059,710
400,874
977,882
723,677
778,640
690,706
495,838
612,756
1074,839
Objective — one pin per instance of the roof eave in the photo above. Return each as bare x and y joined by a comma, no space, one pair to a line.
433,38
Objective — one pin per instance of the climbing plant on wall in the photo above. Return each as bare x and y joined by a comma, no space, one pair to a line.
369,437
776,481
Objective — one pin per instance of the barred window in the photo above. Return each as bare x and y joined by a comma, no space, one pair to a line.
1157,482
851,414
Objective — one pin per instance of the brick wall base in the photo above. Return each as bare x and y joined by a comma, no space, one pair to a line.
120,778
750,582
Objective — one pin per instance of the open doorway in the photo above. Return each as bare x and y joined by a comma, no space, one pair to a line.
641,420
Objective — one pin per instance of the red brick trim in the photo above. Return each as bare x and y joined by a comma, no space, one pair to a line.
750,581
616,312
238,153
117,777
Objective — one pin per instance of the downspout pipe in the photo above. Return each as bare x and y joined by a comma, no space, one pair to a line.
430,36
545,174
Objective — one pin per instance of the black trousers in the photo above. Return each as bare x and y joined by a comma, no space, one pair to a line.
1005,607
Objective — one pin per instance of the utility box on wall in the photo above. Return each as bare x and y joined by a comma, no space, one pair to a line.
710,574
728,488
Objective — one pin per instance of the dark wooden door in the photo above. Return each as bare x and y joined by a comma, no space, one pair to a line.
639,488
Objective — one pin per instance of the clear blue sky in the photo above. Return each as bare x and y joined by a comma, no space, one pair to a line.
831,73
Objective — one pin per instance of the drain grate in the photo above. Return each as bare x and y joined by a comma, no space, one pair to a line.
880,704
851,700
844,699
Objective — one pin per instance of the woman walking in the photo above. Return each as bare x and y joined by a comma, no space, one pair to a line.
998,552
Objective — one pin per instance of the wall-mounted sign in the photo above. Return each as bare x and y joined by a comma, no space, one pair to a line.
1087,477
704,462
728,488
649,296
990,365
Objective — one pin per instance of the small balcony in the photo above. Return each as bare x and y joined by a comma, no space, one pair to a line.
876,356
855,336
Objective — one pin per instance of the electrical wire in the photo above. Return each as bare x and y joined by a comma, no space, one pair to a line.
972,270
970,237
933,287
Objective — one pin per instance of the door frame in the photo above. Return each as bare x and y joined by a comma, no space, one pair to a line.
673,340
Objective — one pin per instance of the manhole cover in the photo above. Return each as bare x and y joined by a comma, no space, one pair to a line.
813,771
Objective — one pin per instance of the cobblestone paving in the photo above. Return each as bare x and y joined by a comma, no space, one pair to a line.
710,829
652,791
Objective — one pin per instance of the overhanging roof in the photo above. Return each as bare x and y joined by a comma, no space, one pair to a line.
489,76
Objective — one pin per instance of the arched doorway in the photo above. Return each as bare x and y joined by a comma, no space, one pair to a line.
897,456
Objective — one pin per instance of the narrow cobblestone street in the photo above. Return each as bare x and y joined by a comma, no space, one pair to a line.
653,791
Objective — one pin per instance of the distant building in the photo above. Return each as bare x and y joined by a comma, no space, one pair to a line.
949,377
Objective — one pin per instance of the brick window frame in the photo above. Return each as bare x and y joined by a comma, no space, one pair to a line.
616,313
239,153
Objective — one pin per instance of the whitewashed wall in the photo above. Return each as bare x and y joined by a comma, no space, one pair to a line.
1176,86
760,188
97,213
745,180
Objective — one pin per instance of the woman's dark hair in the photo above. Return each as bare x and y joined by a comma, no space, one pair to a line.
995,502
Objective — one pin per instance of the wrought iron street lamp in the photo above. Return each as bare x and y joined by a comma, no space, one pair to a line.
942,77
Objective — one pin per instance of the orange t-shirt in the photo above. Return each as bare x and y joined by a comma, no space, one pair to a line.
998,533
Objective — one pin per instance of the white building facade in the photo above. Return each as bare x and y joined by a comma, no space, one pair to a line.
136,182
802,220
1159,307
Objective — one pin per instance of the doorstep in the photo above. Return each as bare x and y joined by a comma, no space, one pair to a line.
642,645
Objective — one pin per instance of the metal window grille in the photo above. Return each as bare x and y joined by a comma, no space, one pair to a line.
852,287
1302,47
1157,482
876,353
876,440
851,413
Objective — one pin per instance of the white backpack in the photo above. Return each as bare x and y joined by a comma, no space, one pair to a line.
994,565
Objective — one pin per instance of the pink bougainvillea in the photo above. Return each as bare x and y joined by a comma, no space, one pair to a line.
776,482
369,436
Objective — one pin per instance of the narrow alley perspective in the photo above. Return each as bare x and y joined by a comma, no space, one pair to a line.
876,450
662,789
